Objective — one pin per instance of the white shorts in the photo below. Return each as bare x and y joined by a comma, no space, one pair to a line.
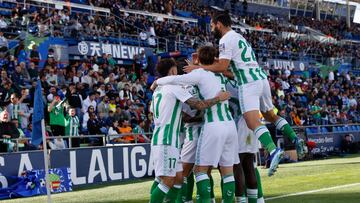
188,150
248,143
166,160
217,145
255,96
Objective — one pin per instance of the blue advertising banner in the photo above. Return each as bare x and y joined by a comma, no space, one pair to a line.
287,64
13,164
86,165
329,142
118,51
94,165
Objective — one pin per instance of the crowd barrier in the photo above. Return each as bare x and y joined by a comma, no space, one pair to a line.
328,138
121,161
87,165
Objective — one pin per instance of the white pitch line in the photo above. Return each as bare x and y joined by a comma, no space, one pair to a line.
313,191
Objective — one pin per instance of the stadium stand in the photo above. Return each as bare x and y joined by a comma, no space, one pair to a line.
121,92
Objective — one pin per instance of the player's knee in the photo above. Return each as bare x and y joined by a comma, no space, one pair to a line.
201,169
179,179
270,116
168,181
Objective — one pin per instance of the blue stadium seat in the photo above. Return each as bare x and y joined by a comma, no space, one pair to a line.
353,128
334,129
340,129
358,127
308,131
315,130
324,130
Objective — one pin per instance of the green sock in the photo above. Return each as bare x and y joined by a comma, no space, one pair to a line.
258,178
183,192
190,187
241,199
155,184
228,189
203,187
172,195
212,194
284,127
263,134
159,193
252,195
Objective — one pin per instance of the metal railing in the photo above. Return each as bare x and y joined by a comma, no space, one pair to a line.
301,130
106,139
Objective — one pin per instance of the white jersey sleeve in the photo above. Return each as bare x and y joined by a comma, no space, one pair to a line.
225,48
192,78
180,93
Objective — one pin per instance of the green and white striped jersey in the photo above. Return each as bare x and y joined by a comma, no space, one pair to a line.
166,107
243,64
209,84
234,100
72,125
192,130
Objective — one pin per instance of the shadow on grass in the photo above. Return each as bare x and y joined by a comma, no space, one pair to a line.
112,183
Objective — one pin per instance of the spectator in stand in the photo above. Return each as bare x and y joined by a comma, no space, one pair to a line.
72,125
57,118
75,100
94,128
34,55
86,118
7,131
126,129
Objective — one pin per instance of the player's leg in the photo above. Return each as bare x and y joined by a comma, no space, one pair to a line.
208,153
247,162
227,161
212,193
188,183
188,154
249,97
173,193
267,108
283,126
156,182
259,186
165,162
240,196
203,184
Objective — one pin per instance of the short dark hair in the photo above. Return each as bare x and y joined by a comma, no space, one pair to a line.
207,55
164,66
222,17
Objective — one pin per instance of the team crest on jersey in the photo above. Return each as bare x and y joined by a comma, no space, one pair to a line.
222,47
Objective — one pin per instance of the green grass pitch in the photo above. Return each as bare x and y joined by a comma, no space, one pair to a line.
323,175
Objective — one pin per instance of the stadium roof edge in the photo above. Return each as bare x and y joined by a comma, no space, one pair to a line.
193,20
74,5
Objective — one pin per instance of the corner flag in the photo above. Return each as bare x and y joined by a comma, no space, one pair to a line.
38,116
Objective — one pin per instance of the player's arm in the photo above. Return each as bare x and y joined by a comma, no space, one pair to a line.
192,78
204,104
228,74
189,119
218,67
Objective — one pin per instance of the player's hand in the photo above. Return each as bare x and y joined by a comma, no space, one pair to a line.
223,96
190,68
153,86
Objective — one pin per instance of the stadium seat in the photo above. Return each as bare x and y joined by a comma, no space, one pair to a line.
353,128
334,129
308,131
324,130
